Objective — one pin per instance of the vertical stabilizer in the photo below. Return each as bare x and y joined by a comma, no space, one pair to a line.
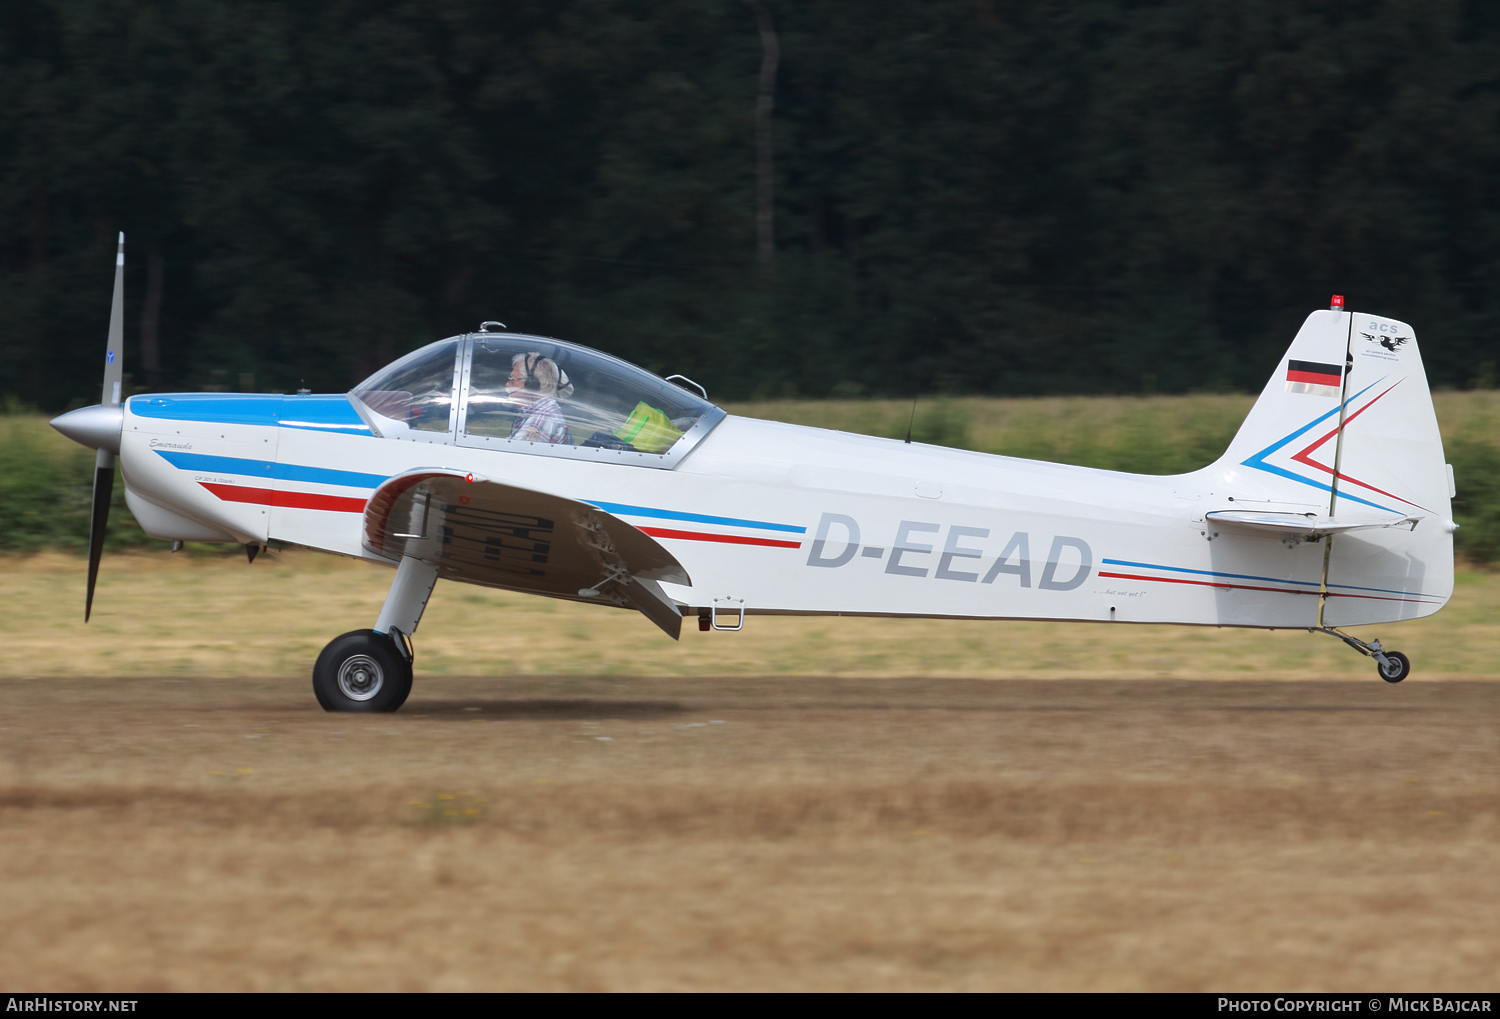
1346,426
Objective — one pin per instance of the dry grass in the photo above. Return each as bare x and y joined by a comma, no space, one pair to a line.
600,808
158,614
751,833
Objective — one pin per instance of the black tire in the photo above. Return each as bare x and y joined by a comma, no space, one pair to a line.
361,671
1402,667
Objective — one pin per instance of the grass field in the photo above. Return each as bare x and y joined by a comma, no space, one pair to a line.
161,614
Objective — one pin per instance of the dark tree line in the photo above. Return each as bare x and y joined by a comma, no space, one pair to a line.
965,195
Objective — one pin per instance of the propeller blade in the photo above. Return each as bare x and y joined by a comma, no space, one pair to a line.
104,460
114,353
104,490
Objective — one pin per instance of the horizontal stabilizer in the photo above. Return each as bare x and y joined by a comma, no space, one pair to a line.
1304,523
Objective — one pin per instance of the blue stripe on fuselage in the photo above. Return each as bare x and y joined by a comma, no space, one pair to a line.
697,518
321,412
267,469
1252,576
221,408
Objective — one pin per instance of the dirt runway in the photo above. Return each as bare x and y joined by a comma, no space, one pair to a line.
579,833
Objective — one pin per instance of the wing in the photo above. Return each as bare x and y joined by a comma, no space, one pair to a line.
1309,524
483,532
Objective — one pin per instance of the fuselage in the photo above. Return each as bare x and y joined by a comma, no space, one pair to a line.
785,518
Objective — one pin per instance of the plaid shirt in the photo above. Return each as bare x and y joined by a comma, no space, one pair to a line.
543,421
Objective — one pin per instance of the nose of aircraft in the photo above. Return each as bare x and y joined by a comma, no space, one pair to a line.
97,427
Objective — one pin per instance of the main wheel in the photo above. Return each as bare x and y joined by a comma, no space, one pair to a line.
1400,667
361,671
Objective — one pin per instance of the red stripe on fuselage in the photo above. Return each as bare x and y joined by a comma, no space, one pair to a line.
728,539
289,500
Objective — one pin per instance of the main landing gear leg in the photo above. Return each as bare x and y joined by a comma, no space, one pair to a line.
1392,666
370,670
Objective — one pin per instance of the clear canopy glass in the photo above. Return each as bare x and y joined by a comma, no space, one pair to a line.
415,393
542,391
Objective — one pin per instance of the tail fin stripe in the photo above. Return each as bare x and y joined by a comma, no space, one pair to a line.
1305,457
1258,461
1255,461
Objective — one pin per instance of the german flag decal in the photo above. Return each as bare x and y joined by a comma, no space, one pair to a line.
1313,377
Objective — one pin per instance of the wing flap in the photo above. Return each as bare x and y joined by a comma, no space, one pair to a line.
647,598
497,535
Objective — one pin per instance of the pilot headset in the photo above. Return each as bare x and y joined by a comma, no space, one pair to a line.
529,363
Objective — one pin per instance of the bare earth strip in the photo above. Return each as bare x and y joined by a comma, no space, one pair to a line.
740,832
570,800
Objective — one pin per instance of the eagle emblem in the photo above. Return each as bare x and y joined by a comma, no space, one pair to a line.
1388,342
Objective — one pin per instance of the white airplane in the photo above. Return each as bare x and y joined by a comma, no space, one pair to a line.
535,465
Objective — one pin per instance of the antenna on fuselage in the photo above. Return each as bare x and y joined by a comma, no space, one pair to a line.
926,349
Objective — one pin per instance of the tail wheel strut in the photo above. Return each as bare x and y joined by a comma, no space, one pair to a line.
1392,666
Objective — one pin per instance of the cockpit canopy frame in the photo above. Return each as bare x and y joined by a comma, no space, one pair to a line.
611,399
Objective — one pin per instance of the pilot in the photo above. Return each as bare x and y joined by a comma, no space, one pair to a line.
536,383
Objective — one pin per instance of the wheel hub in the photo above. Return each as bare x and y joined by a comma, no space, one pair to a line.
360,677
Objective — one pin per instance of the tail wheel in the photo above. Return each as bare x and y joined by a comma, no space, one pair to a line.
361,671
1398,667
